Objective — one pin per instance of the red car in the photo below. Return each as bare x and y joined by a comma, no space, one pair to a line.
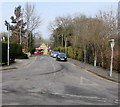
39,51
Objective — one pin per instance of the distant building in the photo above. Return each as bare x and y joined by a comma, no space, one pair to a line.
44,47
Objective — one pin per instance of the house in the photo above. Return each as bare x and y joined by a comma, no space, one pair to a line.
44,47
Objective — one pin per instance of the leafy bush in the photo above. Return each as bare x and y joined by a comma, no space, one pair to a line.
15,52
4,52
75,53
70,52
60,49
78,54
22,56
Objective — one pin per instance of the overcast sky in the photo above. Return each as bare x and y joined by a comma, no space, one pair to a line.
49,10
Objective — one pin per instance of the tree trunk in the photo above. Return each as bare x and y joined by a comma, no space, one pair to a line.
62,40
66,45
20,37
95,59
102,63
84,54
27,40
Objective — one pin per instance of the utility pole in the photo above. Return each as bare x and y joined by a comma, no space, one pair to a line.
8,53
21,28
20,36
112,46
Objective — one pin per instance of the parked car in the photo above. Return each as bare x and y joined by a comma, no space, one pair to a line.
61,57
54,54
51,54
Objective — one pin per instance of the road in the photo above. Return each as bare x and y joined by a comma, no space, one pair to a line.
49,82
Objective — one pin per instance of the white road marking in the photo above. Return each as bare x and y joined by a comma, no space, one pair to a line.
81,80
84,81
92,73
117,101
14,103
78,96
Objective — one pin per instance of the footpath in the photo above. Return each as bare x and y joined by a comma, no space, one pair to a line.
97,70
19,63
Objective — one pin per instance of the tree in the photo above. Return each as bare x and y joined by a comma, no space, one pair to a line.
62,30
108,31
80,33
88,36
17,26
33,21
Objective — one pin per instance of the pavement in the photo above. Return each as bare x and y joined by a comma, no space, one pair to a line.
97,70
19,63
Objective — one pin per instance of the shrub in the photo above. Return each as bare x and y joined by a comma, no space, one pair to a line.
4,52
15,52
75,53
60,49
70,52
22,56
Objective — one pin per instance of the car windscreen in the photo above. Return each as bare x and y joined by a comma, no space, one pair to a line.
62,55
55,52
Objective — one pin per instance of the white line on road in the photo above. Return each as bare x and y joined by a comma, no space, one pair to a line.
78,96
84,81
92,73
81,80
117,101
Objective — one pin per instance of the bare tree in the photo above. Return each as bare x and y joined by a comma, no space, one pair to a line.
33,20
80,33
62,29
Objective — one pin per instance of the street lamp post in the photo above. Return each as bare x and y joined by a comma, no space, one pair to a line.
112,46
8,53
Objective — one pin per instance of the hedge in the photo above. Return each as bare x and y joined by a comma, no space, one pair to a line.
75,53
15,51
78,54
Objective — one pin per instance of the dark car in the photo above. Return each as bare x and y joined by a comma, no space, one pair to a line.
61,57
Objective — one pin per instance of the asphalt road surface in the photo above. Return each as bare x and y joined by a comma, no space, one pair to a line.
49,82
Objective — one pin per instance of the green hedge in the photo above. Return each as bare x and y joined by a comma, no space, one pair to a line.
4,52
75,53
15,51
60,49
78,54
